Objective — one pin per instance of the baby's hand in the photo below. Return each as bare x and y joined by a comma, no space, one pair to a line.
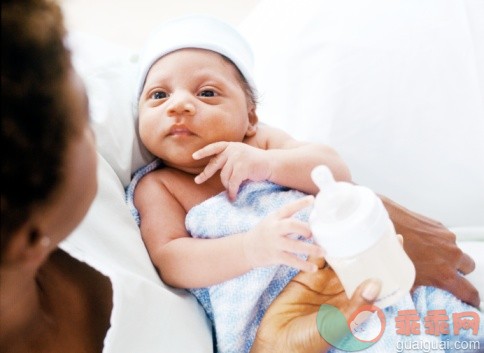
237,162
268,243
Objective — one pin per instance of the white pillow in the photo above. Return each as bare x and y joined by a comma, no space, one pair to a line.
109,73
395,86
147,315
160,318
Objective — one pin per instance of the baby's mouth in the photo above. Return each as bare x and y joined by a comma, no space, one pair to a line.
180,131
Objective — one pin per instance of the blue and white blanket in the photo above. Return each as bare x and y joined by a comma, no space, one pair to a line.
237,306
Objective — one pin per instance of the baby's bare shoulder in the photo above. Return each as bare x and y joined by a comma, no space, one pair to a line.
268,137
178,185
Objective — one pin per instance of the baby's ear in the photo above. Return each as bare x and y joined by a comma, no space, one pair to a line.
253,120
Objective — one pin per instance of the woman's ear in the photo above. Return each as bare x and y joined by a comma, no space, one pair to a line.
253,121
27,248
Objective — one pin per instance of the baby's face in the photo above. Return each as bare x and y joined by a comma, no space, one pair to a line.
192,97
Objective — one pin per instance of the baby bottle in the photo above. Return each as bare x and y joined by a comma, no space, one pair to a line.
352,225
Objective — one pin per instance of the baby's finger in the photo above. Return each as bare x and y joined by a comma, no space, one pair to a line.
294,226
210,150
215,164
300,264
293,207
234,184
301,247
225,173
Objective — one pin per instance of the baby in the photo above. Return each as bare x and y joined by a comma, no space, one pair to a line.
220,217
197,113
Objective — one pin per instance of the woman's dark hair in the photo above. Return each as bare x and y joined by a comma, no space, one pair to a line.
35,119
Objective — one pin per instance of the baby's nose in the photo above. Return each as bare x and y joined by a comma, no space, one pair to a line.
181,103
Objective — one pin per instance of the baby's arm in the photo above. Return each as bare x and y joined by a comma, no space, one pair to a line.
186,262
270,155
293,160
181,260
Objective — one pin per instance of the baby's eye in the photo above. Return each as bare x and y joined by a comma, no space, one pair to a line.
159,95
207,93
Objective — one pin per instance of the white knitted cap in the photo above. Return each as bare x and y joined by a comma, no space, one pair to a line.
196,31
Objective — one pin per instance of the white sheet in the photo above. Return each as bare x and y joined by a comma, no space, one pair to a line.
397,87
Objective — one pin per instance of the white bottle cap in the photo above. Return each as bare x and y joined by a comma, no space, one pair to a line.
346,219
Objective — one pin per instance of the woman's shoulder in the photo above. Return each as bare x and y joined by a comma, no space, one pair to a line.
86,300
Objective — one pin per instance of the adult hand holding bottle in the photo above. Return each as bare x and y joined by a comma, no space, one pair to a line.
289,325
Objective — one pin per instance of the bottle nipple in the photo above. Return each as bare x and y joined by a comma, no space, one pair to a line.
336,201
322,177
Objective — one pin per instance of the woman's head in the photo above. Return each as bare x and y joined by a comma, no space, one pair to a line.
44,120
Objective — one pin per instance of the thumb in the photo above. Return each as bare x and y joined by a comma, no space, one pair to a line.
365,294
336,326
